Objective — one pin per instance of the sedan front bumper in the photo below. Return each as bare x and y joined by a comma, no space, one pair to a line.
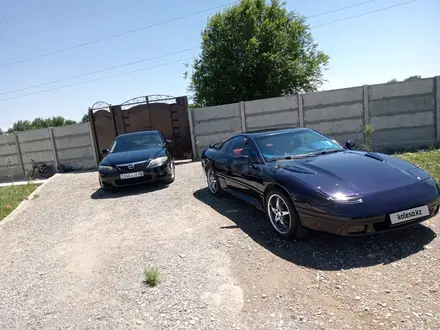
157,173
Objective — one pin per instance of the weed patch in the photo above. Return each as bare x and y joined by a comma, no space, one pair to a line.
151,276
11,196
426,160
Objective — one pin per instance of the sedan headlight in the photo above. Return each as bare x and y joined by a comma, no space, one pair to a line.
106,168
158,161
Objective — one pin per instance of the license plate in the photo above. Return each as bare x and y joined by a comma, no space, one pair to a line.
408,215
132,175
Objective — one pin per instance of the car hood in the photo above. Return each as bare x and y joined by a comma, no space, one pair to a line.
353,173
132,156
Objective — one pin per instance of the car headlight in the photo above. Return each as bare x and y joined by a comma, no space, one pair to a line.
157,161
430,181
339,197
106,168
419,173
340,194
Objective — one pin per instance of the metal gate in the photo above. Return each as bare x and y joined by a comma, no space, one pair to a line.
164,113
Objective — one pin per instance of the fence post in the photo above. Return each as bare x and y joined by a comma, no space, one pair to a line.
242,106
365,109
112,114
54,148
93,137
437,105
191,130
20,158
300,110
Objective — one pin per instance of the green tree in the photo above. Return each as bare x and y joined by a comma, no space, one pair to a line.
70,122
85,118
57,121
255,50
37,123
21,125
415,77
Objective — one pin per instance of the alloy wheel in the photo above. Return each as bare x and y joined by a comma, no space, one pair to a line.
212,181
279,214
173,170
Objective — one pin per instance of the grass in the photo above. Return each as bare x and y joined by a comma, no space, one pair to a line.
151,276
426,160
11,196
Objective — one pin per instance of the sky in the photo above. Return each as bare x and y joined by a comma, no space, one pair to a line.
370,49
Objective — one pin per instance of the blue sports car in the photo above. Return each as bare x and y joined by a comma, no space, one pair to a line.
304,179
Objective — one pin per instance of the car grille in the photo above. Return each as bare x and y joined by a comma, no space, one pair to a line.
136,167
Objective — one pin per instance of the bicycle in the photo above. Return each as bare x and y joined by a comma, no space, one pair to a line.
44,171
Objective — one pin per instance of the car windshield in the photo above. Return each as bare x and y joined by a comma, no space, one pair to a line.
301,143
137,142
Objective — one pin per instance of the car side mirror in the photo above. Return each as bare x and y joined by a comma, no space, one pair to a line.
242,160
105,151
350,144
168,142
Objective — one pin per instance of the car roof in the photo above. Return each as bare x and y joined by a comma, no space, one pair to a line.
138,133
270,131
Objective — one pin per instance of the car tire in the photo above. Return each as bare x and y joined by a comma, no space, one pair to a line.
283,216
213,182
173,174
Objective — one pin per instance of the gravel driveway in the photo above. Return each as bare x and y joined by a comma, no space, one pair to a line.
73,258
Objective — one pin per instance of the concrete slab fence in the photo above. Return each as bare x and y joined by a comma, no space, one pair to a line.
403,115
69,145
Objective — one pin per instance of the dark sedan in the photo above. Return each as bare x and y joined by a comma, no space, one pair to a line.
304,179
137,158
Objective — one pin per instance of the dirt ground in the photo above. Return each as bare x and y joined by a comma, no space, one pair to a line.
73,258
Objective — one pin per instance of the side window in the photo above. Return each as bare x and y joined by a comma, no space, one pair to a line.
237,146
251,151
226,145
242,146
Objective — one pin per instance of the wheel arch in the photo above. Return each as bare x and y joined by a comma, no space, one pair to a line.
301,231
271,186
208,164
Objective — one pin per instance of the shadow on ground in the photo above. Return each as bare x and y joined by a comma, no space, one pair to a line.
320,250
79,171
128,191
185,162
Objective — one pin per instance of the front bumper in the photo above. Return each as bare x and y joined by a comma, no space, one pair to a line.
157,173
358,226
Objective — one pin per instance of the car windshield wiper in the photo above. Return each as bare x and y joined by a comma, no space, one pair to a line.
290,157
327,151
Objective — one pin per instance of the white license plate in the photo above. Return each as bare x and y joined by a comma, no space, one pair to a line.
132,175
408,215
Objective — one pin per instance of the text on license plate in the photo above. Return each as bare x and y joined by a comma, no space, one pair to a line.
132,175
411,214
